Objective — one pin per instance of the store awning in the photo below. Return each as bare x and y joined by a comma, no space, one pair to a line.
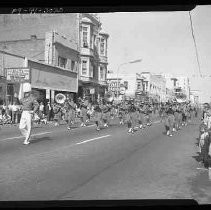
49,77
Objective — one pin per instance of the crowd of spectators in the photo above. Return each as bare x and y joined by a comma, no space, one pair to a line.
11,113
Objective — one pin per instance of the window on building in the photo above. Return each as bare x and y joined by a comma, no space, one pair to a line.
139,85
62,62
91,70
73,66
101,73
102,46
85,36
84,67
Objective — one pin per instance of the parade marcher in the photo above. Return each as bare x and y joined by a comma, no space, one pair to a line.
179,110
169,120
131,117
89,111
57,111
121,112
105,107
30,106
83,112
176,118
113,111
148,115
184,115
71,109
97,114
141,116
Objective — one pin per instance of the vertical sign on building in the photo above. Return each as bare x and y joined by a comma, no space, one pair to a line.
52,95
48,94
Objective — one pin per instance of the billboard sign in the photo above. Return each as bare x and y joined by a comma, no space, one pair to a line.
17,75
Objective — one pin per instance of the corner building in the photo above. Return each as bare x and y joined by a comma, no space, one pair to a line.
93,54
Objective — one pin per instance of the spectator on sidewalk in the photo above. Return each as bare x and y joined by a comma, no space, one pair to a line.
41,109
10,109
14,109
48,111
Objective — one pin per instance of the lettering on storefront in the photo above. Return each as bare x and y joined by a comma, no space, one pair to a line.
18,75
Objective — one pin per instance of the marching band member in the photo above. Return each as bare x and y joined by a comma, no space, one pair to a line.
71,109
131,117
105,113
29,106
148,112
57,110
121,112
89,112
141,117
169,121
97,114
83,107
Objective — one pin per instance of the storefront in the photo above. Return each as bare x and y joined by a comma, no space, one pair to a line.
46,81
3,86
51,80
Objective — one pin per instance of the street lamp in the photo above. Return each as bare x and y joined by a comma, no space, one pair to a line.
130,62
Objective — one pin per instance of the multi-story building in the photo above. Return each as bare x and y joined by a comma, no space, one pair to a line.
179,84
45,38
93,69
71,41
154,86
130,85
195,97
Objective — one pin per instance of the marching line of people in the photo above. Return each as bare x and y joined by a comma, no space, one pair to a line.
134,114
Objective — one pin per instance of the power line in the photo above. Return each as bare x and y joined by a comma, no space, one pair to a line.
196,50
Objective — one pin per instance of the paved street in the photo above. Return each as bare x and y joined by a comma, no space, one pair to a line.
110,164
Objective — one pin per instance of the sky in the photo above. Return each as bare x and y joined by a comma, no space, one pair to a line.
163,40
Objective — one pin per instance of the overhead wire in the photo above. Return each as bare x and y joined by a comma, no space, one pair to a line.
196,50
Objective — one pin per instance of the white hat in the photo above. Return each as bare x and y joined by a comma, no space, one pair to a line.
26,87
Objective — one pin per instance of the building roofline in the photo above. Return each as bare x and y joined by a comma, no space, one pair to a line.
22,40
12,54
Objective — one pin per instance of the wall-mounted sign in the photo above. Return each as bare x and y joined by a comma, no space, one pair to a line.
17,74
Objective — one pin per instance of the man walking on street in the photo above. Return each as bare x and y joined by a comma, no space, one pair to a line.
30,106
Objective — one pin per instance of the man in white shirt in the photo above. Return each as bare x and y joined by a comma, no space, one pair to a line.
14,109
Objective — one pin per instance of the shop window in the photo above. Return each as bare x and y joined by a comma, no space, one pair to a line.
84,67
62,62
73,65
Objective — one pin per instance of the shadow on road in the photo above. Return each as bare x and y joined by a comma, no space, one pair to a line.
36,140
200,187
197,158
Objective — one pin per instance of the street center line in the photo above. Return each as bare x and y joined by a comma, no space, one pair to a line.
100,137
18,137
66,147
